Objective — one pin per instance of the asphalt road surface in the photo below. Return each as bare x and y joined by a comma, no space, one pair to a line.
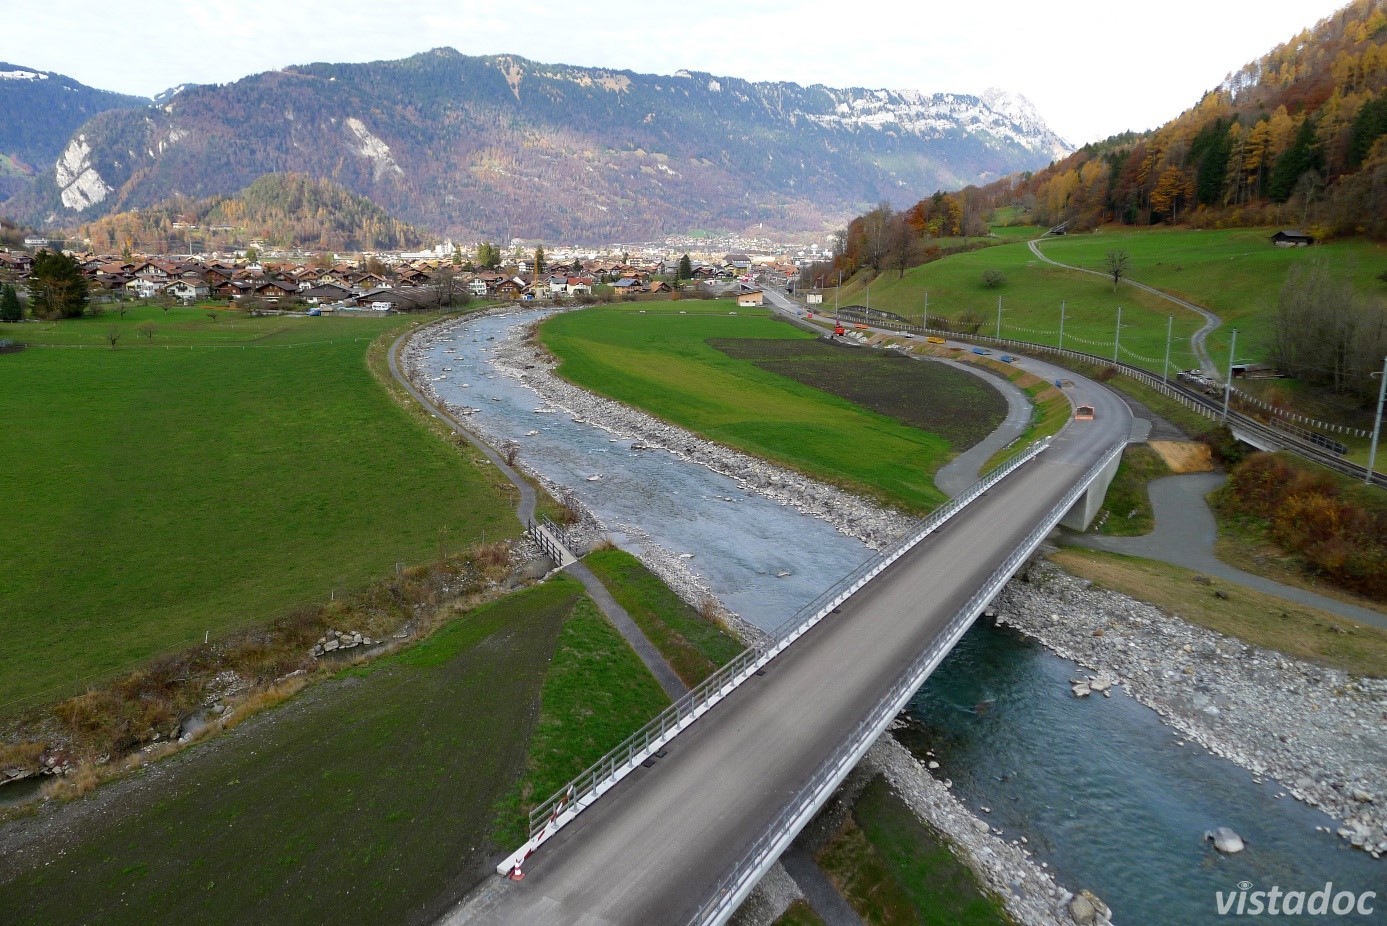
653,849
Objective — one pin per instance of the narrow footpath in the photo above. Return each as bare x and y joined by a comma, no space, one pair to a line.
525,511
1185,534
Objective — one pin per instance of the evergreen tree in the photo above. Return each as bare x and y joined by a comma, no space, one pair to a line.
685,271
57,287
10,309
1301,157
539,261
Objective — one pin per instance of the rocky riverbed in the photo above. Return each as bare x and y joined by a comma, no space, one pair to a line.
522,357
1319,732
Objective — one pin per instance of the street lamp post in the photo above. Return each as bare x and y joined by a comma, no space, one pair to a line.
1117,336
1061,324
999,317
924,319
1228,383
1377,422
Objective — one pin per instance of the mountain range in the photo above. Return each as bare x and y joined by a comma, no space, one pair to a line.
39,111
500,146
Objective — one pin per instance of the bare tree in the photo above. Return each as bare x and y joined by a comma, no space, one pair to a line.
147,329
1118,263
113,335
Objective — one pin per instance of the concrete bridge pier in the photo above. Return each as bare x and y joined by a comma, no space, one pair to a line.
1081,516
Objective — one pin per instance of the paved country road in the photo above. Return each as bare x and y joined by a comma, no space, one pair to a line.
1197,340
654,848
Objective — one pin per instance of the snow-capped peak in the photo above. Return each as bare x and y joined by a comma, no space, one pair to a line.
1007,117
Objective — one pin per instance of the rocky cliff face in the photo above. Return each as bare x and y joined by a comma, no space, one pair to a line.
504,147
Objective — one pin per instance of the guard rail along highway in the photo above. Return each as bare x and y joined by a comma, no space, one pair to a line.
1251,428
562,807
762,853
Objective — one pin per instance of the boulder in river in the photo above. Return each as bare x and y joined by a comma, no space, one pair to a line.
1225,840
1086,909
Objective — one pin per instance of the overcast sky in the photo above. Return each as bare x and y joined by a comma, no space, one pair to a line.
1091,67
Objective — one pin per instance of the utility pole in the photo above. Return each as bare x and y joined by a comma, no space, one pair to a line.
836,290
1377,422
1117,336
1228,385
1169,327
1061,324
924,319
999,318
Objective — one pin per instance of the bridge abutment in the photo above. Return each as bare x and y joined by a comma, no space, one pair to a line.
1081,516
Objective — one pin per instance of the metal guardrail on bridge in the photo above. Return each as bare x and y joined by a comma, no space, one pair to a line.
564,805
767,848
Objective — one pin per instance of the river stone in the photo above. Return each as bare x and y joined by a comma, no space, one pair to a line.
1082,911
330,645
1225,840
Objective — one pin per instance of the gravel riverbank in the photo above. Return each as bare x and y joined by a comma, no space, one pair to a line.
1319,732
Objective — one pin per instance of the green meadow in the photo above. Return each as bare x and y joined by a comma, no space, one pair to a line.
212,476
658,358
1236,273
1031,296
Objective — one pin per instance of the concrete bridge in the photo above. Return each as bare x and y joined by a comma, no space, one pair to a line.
680,824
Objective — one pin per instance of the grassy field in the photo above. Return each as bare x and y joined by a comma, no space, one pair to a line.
368,799
218,475
596,694
928,396
895,871
1031,298
659,359
1255,618
694,646
1236,273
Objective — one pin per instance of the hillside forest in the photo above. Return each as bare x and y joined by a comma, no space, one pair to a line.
279,210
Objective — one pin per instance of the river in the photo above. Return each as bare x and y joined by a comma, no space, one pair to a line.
1100,787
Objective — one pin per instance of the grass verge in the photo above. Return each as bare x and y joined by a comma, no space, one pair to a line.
896,871
1251,616
799,913
1128,501
694,646
597,693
